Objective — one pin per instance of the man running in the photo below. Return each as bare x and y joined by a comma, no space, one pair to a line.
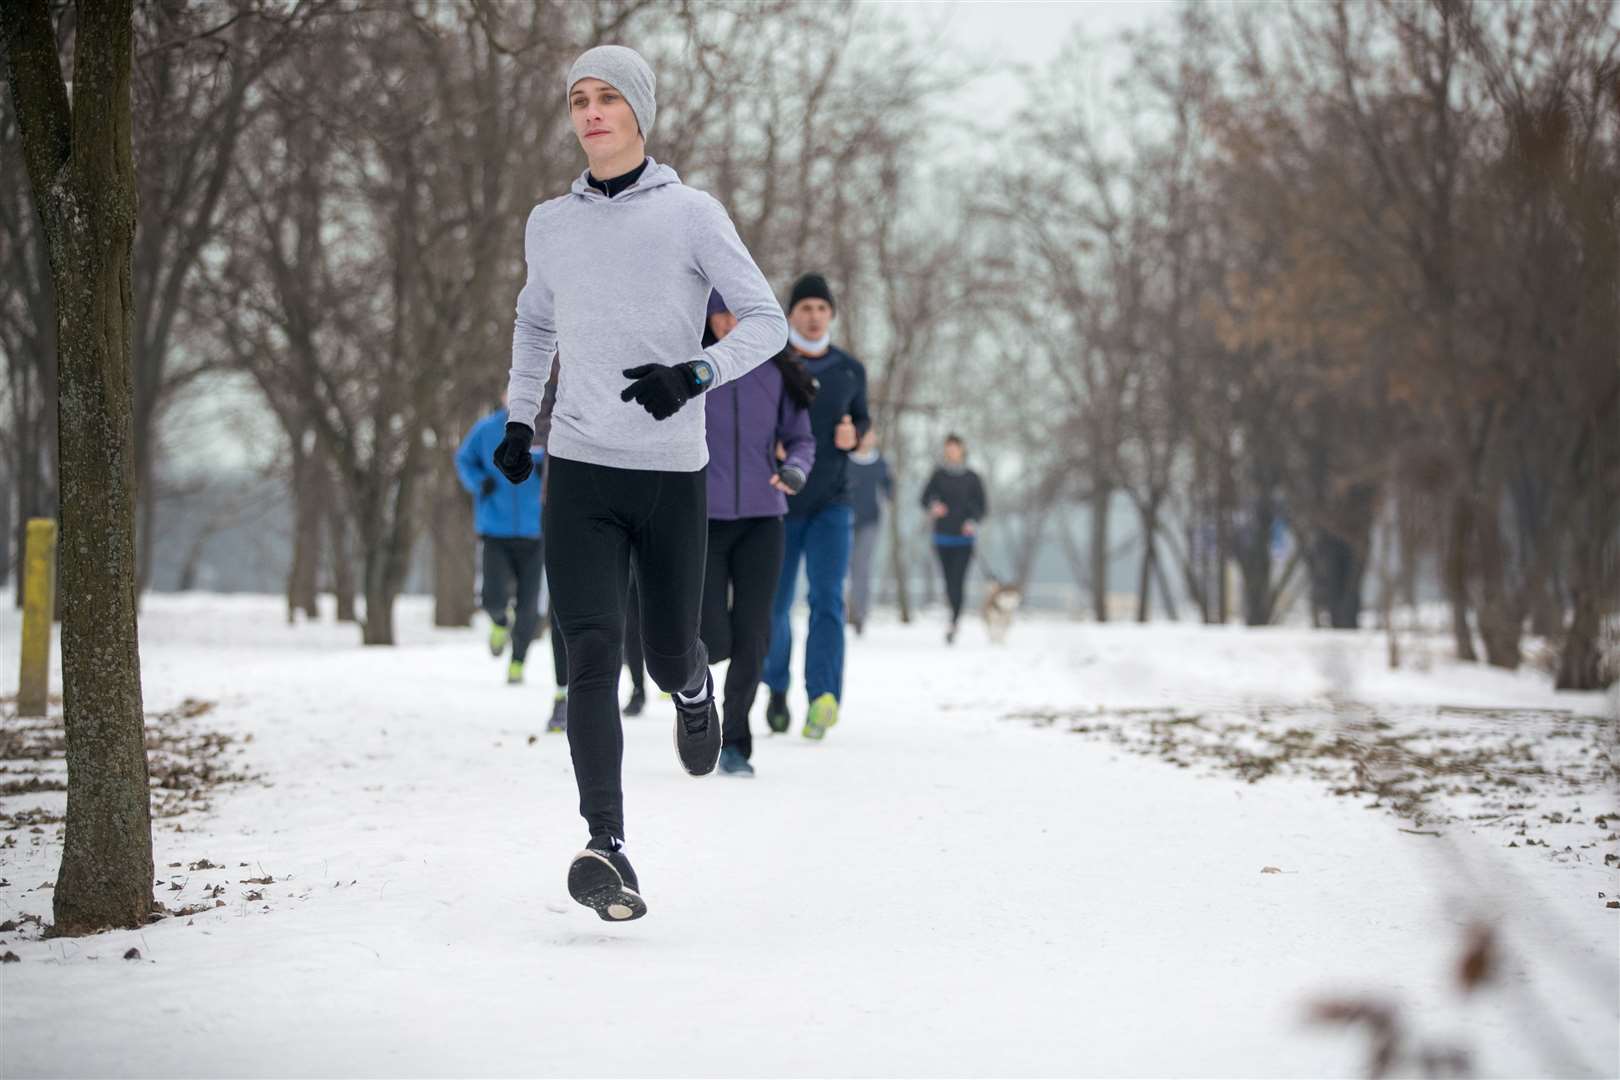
954,497
819,520
619,274
507,519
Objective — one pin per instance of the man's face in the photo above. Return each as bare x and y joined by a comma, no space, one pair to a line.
603,121
954,454
722,323
811,318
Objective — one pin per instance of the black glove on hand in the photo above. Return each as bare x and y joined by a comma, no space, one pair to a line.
487,486
512,456
792,478
661,389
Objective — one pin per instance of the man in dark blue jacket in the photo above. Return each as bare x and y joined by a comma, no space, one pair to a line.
507,517
820,518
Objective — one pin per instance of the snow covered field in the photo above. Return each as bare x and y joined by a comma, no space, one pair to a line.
989,867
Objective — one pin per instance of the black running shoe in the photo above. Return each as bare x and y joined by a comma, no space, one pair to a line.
637,702
600,877
777,716
697,732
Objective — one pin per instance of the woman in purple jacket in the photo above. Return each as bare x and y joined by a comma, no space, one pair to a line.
760,451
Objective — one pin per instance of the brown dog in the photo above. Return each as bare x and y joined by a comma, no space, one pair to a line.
1000,604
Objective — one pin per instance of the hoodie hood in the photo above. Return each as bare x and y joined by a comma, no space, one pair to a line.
655,176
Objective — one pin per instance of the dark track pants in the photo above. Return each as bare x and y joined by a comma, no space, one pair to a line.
599,521
745,560
514,563
954,560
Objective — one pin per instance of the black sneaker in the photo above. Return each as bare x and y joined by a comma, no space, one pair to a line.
637,702
776,713
600,877
559,714
697,732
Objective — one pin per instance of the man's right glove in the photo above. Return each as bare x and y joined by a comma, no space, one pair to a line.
512,456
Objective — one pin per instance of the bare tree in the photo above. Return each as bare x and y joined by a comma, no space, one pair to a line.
81,170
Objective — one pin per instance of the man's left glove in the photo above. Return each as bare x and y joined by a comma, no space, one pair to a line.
792,478
662,389
512,456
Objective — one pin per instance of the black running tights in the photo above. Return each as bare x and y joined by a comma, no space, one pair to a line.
598,522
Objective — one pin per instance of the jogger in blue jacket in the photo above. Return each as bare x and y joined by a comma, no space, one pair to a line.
507,517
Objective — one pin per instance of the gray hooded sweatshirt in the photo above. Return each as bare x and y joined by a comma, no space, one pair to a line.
615,283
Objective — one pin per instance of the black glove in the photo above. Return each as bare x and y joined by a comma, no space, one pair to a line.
792,478
486,487
661,389
512,456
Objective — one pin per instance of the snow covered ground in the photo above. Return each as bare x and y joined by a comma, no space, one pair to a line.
991,866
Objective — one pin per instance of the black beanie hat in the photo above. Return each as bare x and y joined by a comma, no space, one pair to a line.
811,287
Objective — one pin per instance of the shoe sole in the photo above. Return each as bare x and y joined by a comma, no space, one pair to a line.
593,882
816,730
702,770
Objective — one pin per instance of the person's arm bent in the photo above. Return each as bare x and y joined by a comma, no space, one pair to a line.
724,262
858,411
798,443
534,334
930,495
471,468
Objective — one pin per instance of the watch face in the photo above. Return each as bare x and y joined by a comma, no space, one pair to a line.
704,373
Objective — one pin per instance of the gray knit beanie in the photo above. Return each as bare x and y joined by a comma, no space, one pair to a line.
625,71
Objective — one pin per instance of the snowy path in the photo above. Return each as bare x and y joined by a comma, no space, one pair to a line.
933,891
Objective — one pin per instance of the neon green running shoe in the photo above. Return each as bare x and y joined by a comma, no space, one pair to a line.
823,715
498,637
514,672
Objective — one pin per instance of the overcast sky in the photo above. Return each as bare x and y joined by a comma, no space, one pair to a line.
1007,33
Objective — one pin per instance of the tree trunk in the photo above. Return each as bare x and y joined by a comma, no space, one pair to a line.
378,627
1580,662
303,573
1144,580
1166,597
1501,612
1337,571
1102,495
6,562
342,563
81,168
193,560
1456,575
897,554
1254,562
455,550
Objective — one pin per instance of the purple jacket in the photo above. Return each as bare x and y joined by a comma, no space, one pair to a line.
746,418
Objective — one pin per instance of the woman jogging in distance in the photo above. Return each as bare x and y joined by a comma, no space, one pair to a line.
619,272
748,490
955,500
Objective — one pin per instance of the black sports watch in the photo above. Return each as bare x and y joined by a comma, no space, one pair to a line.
702,375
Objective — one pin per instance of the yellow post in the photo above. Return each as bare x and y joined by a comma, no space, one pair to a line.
39,609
